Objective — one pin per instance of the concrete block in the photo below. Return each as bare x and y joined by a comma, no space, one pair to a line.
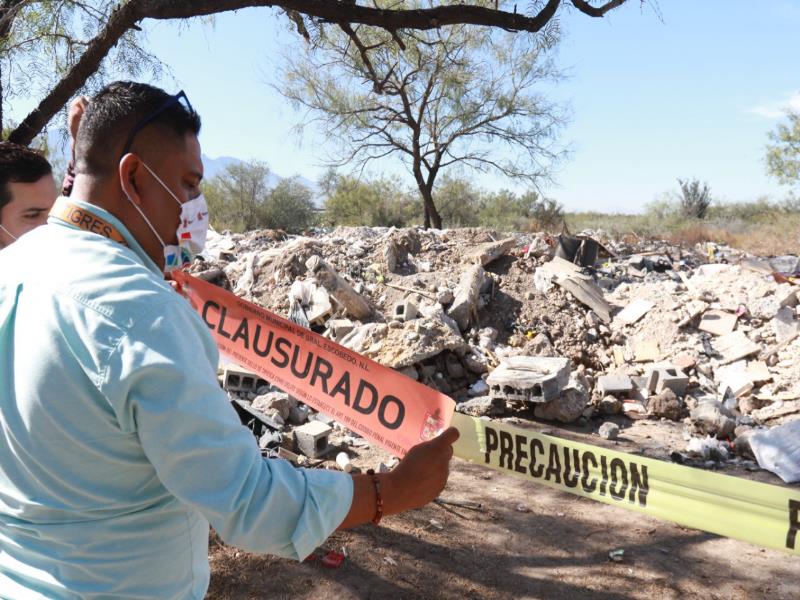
236,379
406,310
671,378
614,384
529,378
311,439
340,328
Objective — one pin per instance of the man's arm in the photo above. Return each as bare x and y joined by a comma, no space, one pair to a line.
417,480
162,385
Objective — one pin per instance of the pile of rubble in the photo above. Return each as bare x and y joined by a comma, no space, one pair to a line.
559,329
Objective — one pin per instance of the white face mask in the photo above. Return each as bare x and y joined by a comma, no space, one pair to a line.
9,234
192,230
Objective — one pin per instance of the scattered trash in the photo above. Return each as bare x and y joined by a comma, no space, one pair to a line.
332,560
617,555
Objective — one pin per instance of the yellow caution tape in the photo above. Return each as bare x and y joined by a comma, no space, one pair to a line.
760,513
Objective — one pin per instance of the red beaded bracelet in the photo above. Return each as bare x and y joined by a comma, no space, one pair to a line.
378,498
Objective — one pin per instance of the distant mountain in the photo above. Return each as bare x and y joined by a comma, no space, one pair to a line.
215,166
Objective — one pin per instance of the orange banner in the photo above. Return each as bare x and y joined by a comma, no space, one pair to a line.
386,407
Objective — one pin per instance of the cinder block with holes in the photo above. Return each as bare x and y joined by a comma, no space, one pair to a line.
236,379
529,379
406,310
311,439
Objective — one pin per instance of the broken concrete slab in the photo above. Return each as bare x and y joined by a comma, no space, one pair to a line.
785,326
491,251
718,322
758,371
465,304
777,410
529,378
570,278
734,346
614,384
482,406
646,351
353,303
413,343
634,311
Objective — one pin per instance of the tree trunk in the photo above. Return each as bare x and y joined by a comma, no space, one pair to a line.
432,216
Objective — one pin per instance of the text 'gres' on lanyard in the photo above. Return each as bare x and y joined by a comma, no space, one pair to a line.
85,219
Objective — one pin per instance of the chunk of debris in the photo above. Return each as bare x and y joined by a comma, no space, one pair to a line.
718,322
646,351
482,406
529,378
634,311
353,303
608,431
671,378
275,402
464,308
665,405
568,407
610,405
490,252
708,448
614,384
708,418
734,346
781,409
785,325
570,278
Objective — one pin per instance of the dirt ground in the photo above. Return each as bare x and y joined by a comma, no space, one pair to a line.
558,549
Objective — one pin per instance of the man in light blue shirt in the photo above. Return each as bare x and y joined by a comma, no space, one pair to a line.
117,446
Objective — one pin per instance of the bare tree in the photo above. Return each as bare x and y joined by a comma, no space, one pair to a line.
122,19
438,98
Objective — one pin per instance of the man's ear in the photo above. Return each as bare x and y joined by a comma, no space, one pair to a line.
129,170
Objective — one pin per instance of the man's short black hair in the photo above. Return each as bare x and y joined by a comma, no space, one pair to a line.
112,115
19,164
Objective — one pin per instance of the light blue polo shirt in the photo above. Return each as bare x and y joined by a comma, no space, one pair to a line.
117,445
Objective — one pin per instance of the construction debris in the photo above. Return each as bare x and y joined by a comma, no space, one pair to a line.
509,330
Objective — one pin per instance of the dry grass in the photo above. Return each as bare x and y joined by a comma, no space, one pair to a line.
760,229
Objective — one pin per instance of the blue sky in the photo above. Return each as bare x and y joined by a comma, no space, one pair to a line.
690,94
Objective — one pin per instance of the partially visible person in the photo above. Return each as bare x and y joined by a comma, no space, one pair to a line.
27,191
76,109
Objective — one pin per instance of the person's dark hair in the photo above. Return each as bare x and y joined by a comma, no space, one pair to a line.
19,164
115,112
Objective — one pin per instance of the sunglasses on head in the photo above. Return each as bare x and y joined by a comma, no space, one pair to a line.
178,98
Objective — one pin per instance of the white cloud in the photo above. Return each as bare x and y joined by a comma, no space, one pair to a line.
776,110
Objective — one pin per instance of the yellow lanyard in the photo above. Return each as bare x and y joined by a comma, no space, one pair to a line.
85,219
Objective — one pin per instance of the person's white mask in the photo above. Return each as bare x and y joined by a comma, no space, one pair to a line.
9,234
192,230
